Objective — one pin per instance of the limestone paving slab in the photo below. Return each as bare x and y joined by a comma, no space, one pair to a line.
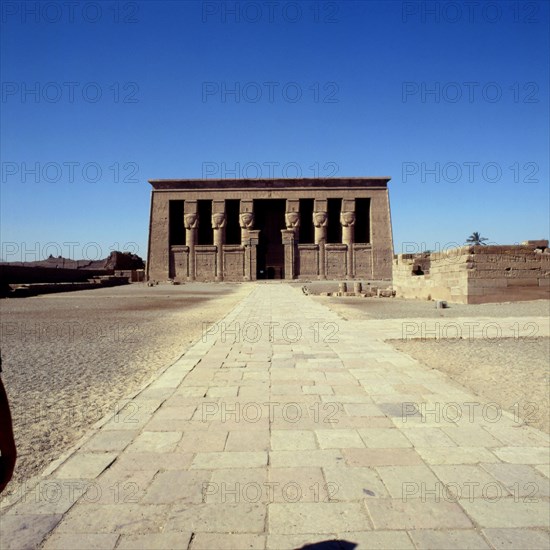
299,485
291,542
416,513
407,481
354,484
523,455
384,438
253,441
431,539
379,540
61,541
339,439
227,517
110,440
155,541
518,539
150,461
26,531
317,517
123,517
225,541
236,485
294,439
86,465
155,442
183,486
508,512
118,484
230,459
381,457
194,441
456,455
520,479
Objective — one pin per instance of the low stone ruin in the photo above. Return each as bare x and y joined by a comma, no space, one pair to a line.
359,290
476,274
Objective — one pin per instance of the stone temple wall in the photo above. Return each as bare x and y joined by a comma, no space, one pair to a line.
293,229
476,274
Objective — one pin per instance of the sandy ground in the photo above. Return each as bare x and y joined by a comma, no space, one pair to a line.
513,372
69,358
395,308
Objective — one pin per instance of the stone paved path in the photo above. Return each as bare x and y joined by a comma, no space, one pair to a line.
285,426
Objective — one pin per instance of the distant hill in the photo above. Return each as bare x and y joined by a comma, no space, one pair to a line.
115,260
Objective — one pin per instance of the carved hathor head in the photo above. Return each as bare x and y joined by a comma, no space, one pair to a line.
218,220
191,221
347,218
246,220
292,220
320,219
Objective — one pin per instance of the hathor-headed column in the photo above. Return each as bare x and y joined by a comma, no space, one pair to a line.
218,225
249,239
246,221
292,216
320,222
347,219
191,222
290,236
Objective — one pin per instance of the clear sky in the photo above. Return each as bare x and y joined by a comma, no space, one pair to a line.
449,99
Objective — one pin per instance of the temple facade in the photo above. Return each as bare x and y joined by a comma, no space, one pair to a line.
245,230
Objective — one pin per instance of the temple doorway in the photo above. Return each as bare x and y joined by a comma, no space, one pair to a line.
269,218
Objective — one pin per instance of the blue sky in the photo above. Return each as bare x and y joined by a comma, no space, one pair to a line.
450,99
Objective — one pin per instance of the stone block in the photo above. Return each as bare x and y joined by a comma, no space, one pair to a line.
319,517
541,243
416,513
534,282
508,512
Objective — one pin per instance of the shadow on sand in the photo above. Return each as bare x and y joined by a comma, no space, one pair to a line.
330,545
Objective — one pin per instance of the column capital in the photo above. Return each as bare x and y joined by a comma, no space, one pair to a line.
218,220
320,219
347,219
292,220
191,221
246,220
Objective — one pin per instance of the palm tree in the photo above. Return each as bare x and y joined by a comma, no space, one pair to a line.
476,239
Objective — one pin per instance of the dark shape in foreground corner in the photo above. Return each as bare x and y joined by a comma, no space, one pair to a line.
335,544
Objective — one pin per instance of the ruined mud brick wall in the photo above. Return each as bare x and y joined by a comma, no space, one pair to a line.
476,274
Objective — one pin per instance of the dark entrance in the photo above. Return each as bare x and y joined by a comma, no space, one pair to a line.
269,218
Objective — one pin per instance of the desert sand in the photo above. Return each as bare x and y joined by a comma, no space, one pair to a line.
70,358
511,372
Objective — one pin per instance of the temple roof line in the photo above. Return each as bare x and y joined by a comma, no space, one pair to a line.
265,183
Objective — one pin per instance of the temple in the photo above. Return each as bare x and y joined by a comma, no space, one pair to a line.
245,230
